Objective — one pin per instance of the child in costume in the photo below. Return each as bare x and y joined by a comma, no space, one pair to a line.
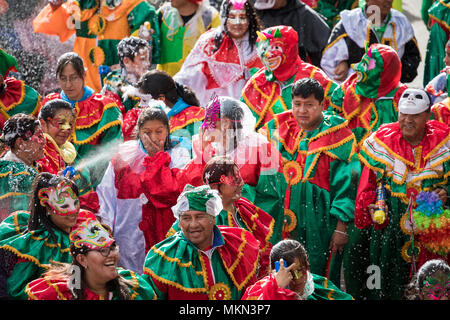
202,261
182,22
31,240
268,92
182,106
23,136
99,26
15,95
291,278
140,186
93,273
222,59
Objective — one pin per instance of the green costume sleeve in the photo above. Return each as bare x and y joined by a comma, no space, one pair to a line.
426,4
344,177
145,12
324,289
268,195
139,288
23,273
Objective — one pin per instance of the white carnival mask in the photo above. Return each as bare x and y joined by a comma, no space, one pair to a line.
91,234
62,200
413,101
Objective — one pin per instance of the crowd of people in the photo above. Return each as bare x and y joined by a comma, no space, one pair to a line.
229,150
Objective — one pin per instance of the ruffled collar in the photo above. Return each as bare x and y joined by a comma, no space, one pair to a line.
87,92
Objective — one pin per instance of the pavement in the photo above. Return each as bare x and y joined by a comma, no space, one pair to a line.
411,8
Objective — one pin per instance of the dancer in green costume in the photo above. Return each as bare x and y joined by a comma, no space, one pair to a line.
321,169
439,22
406,157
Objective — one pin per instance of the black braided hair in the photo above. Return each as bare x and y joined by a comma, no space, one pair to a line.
38,213
254,24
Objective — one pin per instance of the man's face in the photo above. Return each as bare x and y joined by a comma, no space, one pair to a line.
307,112
197,227
384,5
140,64
412,126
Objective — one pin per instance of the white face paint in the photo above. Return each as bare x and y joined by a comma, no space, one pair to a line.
237,16
413,101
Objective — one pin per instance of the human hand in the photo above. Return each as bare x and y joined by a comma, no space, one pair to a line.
341,71
372,208
145,32
442,194
284,276
150,146
338,241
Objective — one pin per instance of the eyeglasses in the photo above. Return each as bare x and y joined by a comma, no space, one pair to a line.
107,250
70,79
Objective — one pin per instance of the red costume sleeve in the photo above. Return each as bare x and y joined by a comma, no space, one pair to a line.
129,123
160,184
268,289
366,195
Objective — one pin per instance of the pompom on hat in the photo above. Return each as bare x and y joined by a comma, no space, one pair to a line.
201,198
414,101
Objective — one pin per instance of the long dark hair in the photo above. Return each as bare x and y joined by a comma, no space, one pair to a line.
38,213
154,113
157,82
254,24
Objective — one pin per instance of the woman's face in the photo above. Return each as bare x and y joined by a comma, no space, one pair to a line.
71,82
155,130
59,127
237,23
101,264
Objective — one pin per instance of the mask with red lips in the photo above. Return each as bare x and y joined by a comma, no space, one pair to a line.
277,47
